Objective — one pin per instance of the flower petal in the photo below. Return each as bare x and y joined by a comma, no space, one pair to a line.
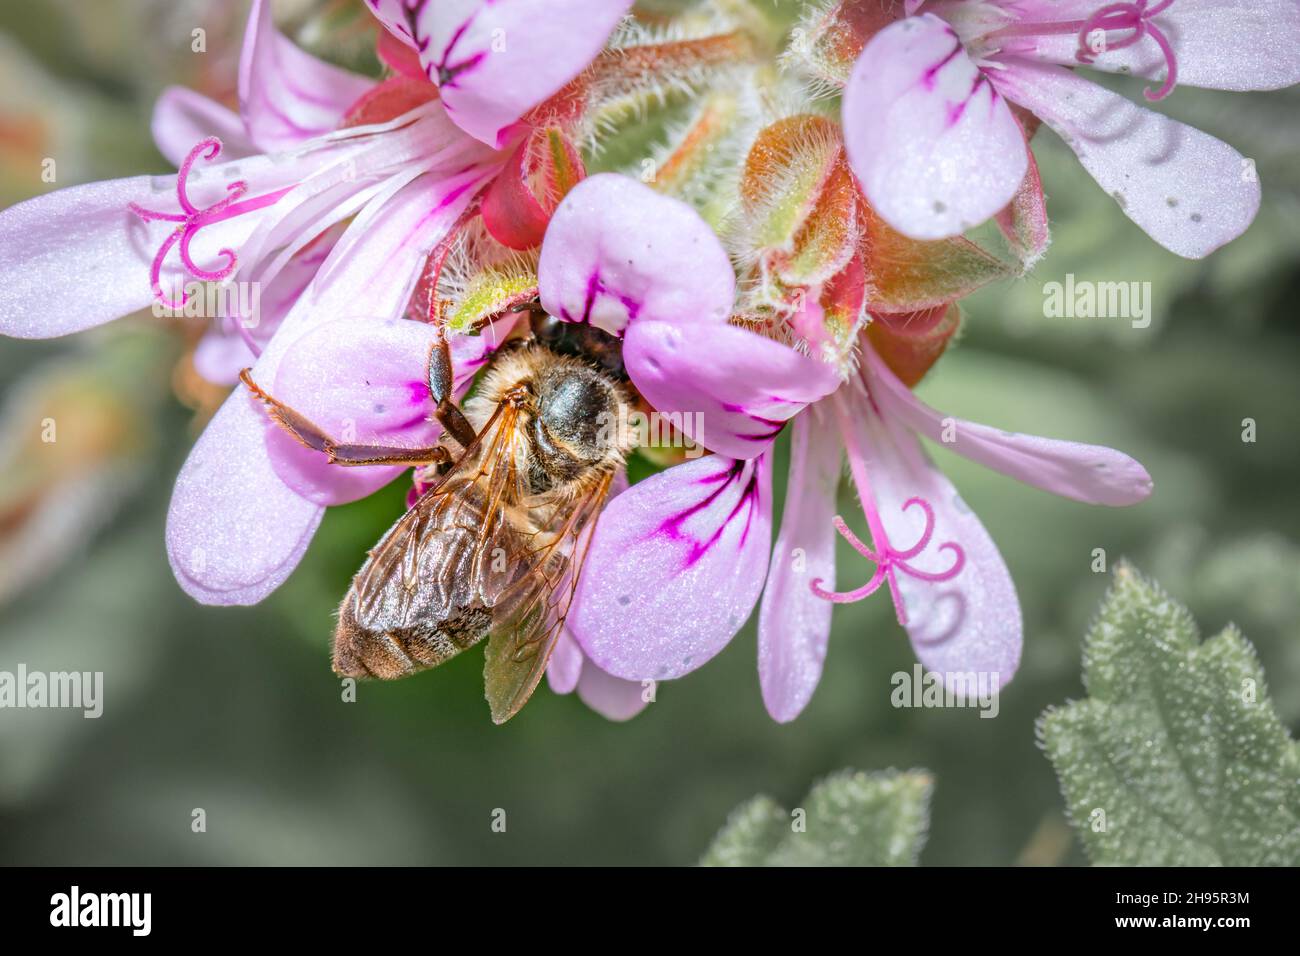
362,382
1187,190
794,624
286,95
511,213
970,623
77,257
565,666
228,348
182,117
611,697
235,530
1219,44
496,59
365,382
675,567
616,251
934,145
1092,474
87,244
221,354
735,389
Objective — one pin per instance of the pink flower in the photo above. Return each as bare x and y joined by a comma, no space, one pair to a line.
666,288
679,560
934,141
335,227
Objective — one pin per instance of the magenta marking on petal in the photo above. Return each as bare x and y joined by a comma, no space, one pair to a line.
595,289
771,423
448,75
632,305
928,77
718,476
957,110
411,10
418,393
671,527
889,560
449,72
750,497
452,195
193,219
738,409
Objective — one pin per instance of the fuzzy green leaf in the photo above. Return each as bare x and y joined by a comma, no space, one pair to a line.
1176,758
751,834
848,819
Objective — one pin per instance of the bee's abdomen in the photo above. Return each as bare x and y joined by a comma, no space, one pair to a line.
402,651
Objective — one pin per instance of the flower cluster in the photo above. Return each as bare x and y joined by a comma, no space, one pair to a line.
790,252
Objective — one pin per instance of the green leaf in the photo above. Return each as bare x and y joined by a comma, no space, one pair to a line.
849,819
1177,756
751,835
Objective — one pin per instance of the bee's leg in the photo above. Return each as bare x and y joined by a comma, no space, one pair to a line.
387,455
310,434
441,386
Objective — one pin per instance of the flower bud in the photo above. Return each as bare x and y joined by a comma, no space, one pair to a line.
799,219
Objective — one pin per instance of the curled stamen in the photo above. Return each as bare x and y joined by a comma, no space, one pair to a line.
192,219
1135,17
889,560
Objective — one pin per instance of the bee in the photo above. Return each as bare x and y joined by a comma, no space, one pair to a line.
493,548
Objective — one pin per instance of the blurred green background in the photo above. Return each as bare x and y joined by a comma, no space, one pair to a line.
235,710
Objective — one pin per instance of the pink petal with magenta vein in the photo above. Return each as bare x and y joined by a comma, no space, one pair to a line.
932,142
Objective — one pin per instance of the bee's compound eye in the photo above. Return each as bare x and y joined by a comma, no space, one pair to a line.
577,410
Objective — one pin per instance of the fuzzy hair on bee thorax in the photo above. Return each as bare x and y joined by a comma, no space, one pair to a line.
570,424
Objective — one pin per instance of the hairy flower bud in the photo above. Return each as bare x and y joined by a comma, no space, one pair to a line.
828,38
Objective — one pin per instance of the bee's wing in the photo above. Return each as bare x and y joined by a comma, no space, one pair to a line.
427,590
527,620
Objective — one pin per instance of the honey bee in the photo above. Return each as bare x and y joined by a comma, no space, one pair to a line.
494,547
